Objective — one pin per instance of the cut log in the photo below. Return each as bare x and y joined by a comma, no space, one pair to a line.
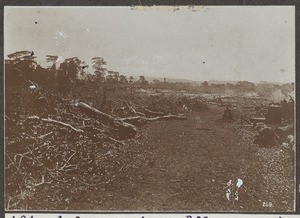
138,120
122,129
259,120
288,128
130,108
283,132
168,117
55,122
140,113
153,113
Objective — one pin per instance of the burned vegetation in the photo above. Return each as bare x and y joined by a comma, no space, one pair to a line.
101,140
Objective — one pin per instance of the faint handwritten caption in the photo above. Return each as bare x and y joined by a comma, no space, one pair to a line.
23,216
189,216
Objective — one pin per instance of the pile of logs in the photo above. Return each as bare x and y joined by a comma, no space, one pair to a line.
122,128
125,128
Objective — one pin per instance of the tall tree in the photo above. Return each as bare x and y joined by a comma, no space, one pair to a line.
123,79
22,59
131,79
98,64
52,59
114,75
69,70
84,68
205,83
19,56
20,66
143,80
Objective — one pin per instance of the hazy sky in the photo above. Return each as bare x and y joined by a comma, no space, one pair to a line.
217,42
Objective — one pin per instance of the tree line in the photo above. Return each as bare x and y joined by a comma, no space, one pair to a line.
22,66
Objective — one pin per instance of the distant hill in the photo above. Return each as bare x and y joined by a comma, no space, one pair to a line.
174,80
150,79
220,82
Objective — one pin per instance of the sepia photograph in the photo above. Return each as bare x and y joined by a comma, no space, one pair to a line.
150,108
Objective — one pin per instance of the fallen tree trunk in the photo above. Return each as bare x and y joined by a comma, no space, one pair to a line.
140,113
258,120
283,132
56,122
288,128
138,120
135,112
168,117
153,113
122,129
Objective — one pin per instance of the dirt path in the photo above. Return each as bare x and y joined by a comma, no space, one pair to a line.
187,165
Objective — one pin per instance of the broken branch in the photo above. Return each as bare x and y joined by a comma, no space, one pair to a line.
123,129
56,122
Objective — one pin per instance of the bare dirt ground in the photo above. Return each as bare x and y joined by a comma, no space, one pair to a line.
185,165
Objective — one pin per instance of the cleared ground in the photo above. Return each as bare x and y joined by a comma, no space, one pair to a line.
186,165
